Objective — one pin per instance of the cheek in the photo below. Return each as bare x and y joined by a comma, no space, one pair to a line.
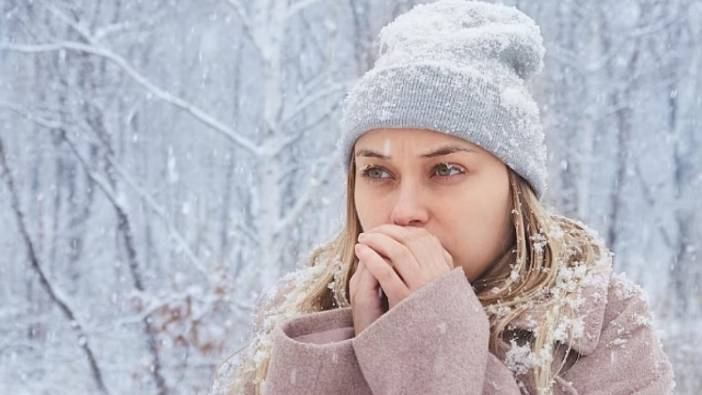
482,228
368,209
478,246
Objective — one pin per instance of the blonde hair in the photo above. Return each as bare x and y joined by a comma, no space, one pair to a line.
526,275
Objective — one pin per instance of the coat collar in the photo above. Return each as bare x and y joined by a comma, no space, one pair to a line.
587,305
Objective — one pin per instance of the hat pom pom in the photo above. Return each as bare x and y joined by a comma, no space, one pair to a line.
461,32
523,50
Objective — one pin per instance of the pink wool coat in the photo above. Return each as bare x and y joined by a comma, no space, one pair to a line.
424,346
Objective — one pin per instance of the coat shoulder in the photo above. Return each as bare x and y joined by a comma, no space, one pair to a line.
627,304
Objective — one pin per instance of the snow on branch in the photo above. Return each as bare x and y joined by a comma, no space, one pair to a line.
303,201
315,97
164,95
161,213
111,195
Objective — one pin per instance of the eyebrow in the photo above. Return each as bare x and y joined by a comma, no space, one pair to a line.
444,150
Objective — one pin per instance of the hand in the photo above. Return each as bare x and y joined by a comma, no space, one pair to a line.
402,259
366,303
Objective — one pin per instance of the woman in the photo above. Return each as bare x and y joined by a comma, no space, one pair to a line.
450,277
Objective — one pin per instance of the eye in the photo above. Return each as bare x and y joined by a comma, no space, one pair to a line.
443,170
373,172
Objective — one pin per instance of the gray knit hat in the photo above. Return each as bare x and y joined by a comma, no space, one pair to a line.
457,67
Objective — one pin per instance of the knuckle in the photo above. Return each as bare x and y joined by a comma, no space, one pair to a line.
385,273
405,254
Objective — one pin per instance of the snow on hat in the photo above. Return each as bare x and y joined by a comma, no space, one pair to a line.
458,67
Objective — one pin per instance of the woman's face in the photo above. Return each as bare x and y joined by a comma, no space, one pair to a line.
454,189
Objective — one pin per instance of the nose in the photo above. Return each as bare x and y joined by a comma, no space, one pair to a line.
409,209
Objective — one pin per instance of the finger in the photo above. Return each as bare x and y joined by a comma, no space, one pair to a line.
361,281
392,284
410,236
355,276
358,272
365,278
403,234
400,257
356,284
424,246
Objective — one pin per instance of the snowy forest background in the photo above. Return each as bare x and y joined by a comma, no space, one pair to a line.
163,162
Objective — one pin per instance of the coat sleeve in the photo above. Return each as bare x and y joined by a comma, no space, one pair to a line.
312,354
435,341
629,358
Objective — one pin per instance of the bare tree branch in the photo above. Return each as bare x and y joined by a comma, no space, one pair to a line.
178,102
313,186
300,6
314,98
54,294
105,186
249,30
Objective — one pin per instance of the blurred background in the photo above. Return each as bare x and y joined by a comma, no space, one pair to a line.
162,163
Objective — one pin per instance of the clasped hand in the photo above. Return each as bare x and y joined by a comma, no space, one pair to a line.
399,260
